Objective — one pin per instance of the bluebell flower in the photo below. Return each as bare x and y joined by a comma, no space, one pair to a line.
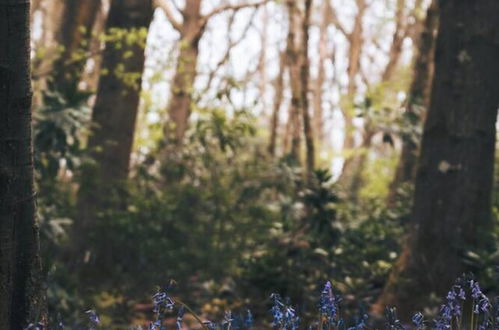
418,320
180,317
248,320
277,314
210,325
328,304
227,321
392,321
93,318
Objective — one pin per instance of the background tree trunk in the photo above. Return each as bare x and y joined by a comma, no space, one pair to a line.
356,42
179,107
278,96
418,100
294,67
20,268
74,34
452,202
113,118
304,76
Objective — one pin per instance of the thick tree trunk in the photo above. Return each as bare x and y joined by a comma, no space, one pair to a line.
74,35
452,203
304,77
20,269
278,96
113,118
418,100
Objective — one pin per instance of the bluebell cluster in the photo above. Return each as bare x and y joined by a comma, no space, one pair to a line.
483,314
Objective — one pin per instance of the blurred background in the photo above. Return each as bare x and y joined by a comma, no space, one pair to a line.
237,147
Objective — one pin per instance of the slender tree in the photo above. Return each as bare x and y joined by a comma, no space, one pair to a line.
304,76
294,59
191,29
452,201
114,114
20,294
276,108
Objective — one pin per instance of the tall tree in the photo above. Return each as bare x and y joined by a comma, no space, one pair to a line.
276,107
191,29
304,76
452,201
293,61
355,40
114,114
318,115
20,289
418,100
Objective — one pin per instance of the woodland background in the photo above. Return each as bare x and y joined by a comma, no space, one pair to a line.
243,148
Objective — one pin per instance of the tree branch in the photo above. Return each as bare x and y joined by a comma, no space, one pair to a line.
168,10
223,8
334,19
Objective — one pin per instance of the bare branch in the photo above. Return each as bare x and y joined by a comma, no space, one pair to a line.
334,19
233,7
168,10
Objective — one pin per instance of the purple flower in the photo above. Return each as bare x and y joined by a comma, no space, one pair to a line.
93,318
418,320
248,320
328,304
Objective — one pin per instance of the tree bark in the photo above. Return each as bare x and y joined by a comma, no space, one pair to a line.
294,59
278,96
418,100
114,116
304,76
20,268
318,119
74,35
452,201
356,42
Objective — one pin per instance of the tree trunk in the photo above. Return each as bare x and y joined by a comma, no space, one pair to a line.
452,202
113,118
418,100
179,107
318,117
304,77
20,268
356,42
278,96
397,42
74,35
294,67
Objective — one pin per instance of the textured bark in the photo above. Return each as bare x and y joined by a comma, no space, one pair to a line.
452,201
278,96
113,118
20,269
304,77
418,99
74,34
